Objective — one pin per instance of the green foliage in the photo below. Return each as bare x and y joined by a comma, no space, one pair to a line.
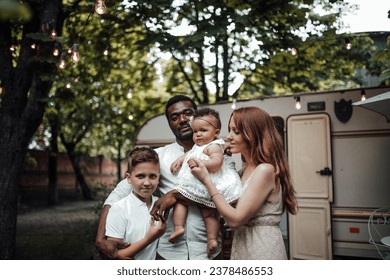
224,41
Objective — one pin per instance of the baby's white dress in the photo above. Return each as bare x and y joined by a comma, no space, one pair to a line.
226,180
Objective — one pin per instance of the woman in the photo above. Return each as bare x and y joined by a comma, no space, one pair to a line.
267,186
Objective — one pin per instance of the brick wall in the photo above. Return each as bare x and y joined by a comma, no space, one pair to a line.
34,180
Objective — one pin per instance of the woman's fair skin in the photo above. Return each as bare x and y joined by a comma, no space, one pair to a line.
264,186
144,178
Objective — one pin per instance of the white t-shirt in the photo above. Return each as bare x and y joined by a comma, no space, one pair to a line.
129,219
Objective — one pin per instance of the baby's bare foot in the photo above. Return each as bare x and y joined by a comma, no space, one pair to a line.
179,231
212,246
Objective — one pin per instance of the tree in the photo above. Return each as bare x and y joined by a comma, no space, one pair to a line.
243,47
229,40
24,89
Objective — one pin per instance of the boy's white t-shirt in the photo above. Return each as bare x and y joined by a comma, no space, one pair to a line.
129,219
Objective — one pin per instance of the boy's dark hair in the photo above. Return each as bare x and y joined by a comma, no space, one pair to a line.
178,98
140,155
209,112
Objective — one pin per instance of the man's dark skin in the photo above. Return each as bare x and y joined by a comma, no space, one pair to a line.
178,115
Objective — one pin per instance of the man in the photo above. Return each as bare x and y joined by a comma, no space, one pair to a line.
193,245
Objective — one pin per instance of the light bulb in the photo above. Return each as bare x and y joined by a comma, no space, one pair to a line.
53,33
294,51
348,44
234,104
68,85
56,51
75,53
33,46
100,7
105,52
363,95
62,63
131,117
129,93
298,103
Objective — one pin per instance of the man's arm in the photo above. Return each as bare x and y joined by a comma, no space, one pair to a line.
108,249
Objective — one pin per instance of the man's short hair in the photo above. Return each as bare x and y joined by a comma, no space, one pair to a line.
178,98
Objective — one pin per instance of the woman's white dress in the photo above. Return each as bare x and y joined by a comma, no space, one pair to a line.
226,180
261,238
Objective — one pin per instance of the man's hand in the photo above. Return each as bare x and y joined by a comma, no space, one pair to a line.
162,206
108,249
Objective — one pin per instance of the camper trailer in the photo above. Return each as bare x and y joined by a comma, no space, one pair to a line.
339,155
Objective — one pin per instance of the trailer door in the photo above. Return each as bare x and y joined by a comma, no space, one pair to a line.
309,155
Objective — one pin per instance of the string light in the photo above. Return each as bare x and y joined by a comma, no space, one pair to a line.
363,95
53,33
297,103
62,63
12,48
129,93
100,7
294,51
348,44
105,52
33,46
56,50
131,117
234,104
68,85
75,53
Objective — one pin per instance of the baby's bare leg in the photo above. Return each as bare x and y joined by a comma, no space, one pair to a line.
212,228
179,220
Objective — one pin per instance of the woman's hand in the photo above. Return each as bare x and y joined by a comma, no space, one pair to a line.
198,169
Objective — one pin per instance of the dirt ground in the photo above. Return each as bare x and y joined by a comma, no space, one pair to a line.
63,232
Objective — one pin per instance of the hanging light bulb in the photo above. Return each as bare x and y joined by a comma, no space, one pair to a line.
62,63
348,44
75,53
294,51
33,46
234,104
56,50
297,103
363,95
100,7
130,93
53,33
12,48
131,117
105,52
68,85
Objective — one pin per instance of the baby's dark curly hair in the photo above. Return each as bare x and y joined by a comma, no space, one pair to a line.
209,112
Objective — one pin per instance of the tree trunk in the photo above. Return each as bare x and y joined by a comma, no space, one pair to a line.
118,161
75,161
52,168
22,105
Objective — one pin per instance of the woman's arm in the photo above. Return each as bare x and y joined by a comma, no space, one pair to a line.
262,184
